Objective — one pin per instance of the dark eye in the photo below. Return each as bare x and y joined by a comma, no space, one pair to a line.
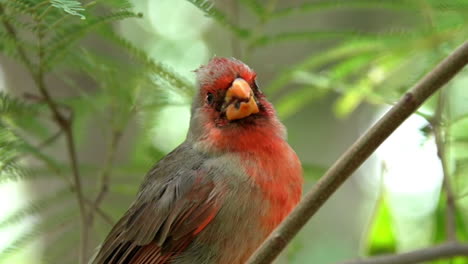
209,98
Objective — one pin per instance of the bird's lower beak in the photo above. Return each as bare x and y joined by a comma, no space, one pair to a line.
239,100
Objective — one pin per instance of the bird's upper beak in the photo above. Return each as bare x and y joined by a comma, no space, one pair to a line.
239,100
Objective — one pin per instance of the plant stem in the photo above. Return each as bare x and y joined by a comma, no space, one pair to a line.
105,174
66,125
446,250
358,153
440,138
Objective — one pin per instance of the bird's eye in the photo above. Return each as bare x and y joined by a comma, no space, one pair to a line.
209,98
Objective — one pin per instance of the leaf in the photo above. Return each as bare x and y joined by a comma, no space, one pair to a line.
13,106
157,68
381,237
292,102
397,5
350,35
49,224
71,7
315,61
352,98
313,171
36,207
60,44
440,223
207,7
62,246
255,7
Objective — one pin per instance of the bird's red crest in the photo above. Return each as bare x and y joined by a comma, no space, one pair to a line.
220,72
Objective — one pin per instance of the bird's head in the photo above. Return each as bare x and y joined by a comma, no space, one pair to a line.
229,100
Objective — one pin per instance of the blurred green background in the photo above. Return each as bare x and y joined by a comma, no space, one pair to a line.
122,72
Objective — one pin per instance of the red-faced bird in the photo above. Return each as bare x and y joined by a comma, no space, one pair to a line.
217,196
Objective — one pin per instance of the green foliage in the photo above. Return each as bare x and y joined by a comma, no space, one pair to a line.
58,32
71,7
110,83
381,238
208,8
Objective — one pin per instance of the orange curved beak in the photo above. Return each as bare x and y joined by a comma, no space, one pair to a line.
240,100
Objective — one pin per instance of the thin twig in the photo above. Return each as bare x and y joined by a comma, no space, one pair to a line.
105,174
11,31
446,250
440,138
107,218
358,153
66,125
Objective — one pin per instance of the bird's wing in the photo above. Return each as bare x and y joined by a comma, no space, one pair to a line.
167,215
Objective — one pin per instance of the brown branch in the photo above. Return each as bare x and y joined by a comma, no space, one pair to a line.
440,138
105,175
37,73
446,250
358,153
107,218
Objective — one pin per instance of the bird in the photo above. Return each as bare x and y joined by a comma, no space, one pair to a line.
217,196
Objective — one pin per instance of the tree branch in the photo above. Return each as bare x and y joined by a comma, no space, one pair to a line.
107,218
446,250
105,175
358,153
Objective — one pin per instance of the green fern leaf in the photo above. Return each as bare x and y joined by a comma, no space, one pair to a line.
62,246
314,61
10,105
18,6
49,224
351,65
71,7
120,4
324,5
156,68
37,207
294,101
62,42
393,35
207,7
256,7
397,5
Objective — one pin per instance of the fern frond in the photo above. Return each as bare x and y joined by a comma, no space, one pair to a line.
313,61
334,4
71,7
61,246
208,8
10,105
36,207
19,7
9,144
393,35
296,100
398,5
51,223
255,6
353,97
156,68
119,4
62,42
348,66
